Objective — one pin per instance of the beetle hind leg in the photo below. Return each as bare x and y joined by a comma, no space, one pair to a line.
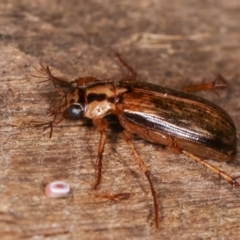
213,169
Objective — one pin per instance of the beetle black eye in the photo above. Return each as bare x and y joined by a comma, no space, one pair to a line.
75,112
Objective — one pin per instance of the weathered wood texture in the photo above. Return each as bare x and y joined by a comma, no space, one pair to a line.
173,43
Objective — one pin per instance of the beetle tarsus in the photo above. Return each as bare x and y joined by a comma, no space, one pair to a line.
115,197
45,127
218,83
235,183
213,169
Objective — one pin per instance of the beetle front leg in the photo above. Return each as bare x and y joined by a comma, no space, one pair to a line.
140,162
101,125
213,169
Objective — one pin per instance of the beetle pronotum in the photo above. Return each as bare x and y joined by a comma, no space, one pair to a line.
187,123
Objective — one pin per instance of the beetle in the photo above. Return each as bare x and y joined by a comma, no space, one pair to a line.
183,122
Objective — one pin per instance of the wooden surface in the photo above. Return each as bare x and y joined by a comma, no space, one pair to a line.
167,42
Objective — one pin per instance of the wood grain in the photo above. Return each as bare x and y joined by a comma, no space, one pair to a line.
166,42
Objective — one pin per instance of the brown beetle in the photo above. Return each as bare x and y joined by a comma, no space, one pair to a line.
186,123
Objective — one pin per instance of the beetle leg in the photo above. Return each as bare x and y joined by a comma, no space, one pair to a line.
101,125
218,83
133,74
114,197
49,124
215,170
140,162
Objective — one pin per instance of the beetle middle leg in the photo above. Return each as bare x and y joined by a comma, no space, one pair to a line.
140,162
213,169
